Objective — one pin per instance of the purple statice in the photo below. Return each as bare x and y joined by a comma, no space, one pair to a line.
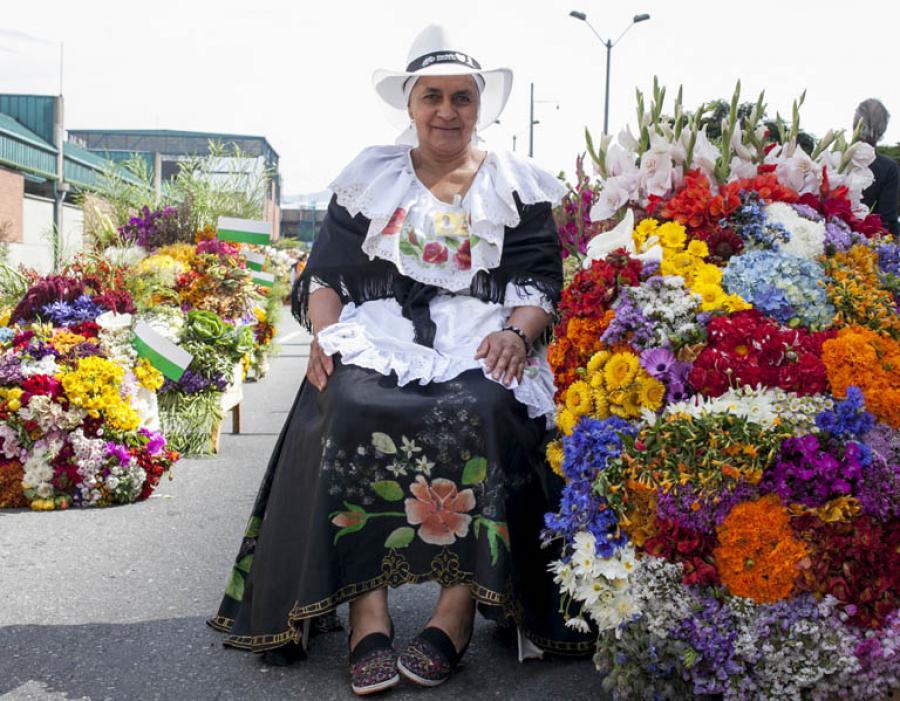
811,473
884,441
192,382
849,418
628,320
701,513
711,632
807,212
838,236
10,370
586,451
878,491
156,441
84,350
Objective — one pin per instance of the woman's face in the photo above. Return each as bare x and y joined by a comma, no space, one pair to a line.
445,111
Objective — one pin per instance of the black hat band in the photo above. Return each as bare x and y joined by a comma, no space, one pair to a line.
442,57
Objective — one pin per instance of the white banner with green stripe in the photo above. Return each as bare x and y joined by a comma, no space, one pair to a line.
170,359
244,230
261,278
255,261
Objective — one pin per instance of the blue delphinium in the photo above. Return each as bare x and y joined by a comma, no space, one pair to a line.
849,418
787,288
889,258
586,451
750,223
71,313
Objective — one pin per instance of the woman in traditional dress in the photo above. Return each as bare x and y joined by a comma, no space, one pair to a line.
413,451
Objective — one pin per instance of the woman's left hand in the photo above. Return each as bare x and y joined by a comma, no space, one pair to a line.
504,353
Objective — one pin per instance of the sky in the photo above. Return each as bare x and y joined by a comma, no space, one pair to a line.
299,73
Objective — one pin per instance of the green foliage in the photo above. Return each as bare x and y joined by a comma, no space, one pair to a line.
890,151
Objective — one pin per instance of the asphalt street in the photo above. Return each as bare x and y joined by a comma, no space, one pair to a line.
112,603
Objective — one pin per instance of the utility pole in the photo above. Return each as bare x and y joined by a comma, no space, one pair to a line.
514,141
531,124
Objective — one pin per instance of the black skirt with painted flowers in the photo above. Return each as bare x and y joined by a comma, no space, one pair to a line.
373,485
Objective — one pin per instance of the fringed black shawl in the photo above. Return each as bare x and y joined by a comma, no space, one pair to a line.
531,260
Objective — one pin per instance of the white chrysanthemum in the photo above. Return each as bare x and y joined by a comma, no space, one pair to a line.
124,255
756,405
807,236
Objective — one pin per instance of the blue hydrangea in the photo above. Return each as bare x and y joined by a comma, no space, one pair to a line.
787,288
6,334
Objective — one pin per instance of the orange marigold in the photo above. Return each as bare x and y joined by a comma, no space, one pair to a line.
859,356
758,555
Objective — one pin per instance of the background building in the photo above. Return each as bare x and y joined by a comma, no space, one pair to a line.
302,215
165,149
40,173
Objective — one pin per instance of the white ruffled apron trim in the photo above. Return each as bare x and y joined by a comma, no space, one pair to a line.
381,180
414,363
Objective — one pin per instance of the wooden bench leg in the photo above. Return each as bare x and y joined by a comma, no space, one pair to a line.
236,418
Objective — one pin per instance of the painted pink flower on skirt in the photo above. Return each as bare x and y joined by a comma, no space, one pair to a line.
439,510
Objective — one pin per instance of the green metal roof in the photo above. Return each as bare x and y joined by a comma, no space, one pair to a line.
22,149
175,133
35,112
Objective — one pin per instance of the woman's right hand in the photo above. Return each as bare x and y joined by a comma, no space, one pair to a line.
320,366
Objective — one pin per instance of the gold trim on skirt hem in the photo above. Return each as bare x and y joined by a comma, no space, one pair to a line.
395,572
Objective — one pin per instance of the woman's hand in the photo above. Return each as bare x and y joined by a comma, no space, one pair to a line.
319,367
505,355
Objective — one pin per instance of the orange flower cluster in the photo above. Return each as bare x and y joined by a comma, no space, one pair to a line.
572,349
767,186
207,233
758,555
855,291
696,207
859,356
638,518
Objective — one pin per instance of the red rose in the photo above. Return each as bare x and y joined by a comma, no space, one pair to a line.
395,222
435,252
463,256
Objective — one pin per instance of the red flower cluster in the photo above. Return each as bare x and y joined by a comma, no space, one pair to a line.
747,348
835,204
696,207
53,288
40,384
766,185
857,562
585,314
155,467
693,549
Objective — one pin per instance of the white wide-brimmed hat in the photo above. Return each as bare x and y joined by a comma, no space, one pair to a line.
433,52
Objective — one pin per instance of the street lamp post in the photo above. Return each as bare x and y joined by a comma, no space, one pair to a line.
532,121
609,44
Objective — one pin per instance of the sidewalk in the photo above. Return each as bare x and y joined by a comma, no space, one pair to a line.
111,603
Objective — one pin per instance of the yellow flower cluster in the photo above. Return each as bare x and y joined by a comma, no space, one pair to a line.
12,396
615,385
687,260
147,375
260,314
555,456
5,315
64,340
166,267
95,386
181,252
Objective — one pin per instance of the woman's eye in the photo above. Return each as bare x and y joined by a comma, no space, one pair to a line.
463,99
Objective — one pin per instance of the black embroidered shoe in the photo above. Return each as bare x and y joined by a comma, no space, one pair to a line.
373,664
430,658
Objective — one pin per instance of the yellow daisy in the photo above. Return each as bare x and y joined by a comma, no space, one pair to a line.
620,370
566,421
597,361
672,235
707,274
555,457
652,393
601,404
697,248
712,296
578,398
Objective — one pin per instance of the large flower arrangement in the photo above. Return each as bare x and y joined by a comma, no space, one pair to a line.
78,414
728,367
